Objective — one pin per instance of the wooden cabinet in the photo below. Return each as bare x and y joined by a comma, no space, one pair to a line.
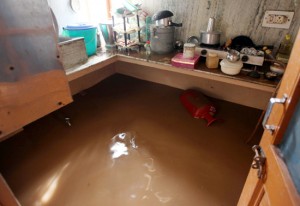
33,82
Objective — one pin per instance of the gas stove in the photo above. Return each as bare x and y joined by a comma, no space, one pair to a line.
247,59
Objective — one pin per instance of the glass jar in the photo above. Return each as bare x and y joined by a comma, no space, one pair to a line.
212,60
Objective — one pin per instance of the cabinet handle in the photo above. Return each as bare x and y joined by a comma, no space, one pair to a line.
272,101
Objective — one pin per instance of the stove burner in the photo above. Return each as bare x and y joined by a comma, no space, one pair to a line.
222,53
210,46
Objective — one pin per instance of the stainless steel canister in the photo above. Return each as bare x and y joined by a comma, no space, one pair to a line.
162,39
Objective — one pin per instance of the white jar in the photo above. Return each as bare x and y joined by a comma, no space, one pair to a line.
231,68
189,50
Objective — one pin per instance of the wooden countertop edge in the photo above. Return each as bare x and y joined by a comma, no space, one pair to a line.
196,73
100,62
90,66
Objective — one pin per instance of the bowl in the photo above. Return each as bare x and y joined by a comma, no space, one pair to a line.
233,55
275,67
231,68
271,75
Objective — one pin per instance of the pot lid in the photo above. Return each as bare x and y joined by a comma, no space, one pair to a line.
161,15
80,26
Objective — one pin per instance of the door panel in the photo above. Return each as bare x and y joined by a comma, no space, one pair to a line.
33,82
290,147
264,200
277,185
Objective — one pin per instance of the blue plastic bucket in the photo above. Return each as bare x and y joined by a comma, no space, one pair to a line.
89,32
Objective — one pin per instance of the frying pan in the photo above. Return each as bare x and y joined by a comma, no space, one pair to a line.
240,42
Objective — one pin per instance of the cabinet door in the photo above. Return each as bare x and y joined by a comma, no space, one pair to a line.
279,183
32,80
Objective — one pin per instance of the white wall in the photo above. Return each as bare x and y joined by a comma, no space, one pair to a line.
92,11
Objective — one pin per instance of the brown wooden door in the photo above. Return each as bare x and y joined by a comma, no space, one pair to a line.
33,82
276,187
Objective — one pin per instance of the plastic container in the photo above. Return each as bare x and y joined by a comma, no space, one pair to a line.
212,60
275,67
108,34
88,32
231,68
189,50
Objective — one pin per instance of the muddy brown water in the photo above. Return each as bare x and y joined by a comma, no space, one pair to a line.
131,143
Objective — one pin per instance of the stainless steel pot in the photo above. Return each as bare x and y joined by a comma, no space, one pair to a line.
210,36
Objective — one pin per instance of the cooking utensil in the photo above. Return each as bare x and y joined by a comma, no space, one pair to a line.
210,37
164,18
162,15
167,22
233,55
162,39
271,75
240,42
193,39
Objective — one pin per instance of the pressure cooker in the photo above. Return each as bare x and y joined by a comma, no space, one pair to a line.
162,38
164,19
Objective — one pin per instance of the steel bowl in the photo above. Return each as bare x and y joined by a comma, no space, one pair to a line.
233,55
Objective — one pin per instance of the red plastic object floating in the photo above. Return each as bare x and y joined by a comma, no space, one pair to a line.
198,105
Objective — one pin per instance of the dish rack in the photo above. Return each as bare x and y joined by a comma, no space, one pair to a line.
127,29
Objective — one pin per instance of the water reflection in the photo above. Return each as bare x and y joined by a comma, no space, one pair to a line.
47,191
122,143
137,172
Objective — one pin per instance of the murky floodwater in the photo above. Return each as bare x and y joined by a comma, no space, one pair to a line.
131,143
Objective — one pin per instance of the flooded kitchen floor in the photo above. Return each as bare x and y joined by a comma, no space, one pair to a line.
131,143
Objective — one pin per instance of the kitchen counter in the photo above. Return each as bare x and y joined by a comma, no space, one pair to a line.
158,68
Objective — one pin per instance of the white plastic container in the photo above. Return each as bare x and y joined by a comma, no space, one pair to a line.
231,68
189,50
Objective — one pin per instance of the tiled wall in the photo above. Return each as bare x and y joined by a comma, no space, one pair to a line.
233,17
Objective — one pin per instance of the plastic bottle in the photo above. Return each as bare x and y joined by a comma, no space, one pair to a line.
284,50
148,48
148,23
